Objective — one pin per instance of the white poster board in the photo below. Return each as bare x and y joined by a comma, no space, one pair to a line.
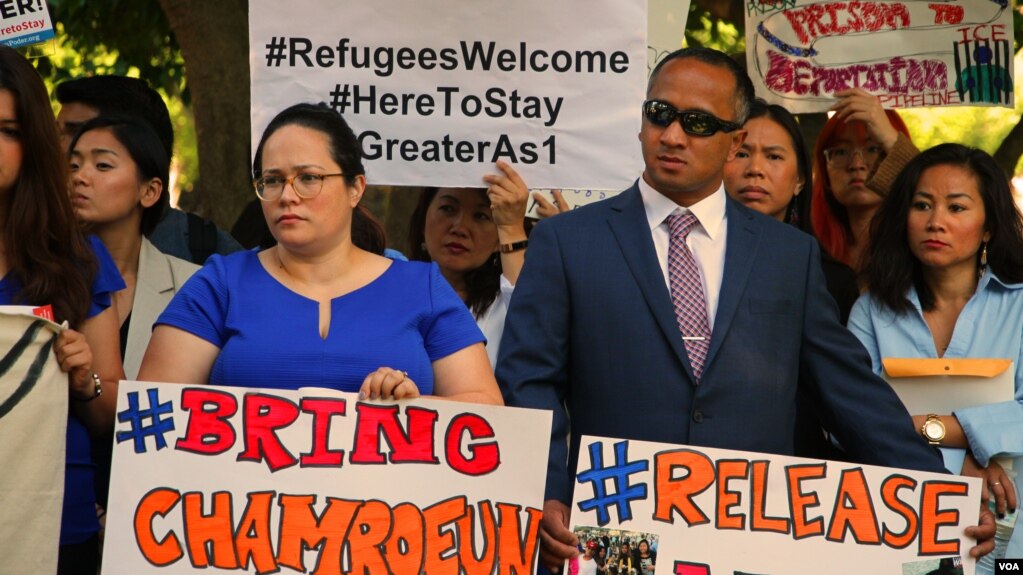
910,54
714,511
666,27
438,90
217,479
24,22
33,425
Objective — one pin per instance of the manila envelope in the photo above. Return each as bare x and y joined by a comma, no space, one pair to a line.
942,386
945,385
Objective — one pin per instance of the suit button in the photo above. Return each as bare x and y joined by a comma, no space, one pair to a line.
698,416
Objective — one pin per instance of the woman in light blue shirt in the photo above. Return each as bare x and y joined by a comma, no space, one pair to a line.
946,280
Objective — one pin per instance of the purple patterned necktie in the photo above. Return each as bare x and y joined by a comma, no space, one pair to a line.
687,291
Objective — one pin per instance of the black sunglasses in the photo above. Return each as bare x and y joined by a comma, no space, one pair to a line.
694,123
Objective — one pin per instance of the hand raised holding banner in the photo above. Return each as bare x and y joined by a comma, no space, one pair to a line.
856,104
546,209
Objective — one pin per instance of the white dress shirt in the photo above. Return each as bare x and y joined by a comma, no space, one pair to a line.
491,323
706,241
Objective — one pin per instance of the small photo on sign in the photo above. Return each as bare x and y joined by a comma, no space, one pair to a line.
616,552
946,566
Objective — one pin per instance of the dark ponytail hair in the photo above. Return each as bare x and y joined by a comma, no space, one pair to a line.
146,151
346,152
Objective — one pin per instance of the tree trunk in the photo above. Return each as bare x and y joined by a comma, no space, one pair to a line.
400,206
811,125
1008,152
214,40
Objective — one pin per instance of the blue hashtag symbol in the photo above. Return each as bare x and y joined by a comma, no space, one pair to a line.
339,98
623,493
157,427
275,51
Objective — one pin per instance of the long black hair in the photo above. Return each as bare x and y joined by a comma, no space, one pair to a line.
43,244
482,284
892,268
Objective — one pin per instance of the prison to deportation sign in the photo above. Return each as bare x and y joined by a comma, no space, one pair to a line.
714,511
910,53
438,90
217,480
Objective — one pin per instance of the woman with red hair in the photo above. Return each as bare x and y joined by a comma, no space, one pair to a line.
858,154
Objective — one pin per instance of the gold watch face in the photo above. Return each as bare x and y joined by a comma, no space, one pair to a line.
934,430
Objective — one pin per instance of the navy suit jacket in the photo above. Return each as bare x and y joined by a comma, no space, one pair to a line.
591,334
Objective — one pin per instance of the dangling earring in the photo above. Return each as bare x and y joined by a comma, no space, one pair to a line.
983,257
792,213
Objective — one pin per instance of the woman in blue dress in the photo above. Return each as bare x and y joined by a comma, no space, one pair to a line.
316,310
46,260
946,280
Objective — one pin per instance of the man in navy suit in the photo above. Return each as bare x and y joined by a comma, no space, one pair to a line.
592,331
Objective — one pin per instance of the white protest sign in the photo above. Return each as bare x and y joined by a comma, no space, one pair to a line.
24,22
218,479
714,511
438,90
911,53
666,27
33,424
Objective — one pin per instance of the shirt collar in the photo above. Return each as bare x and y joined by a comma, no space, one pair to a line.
989,277
710,210
988,280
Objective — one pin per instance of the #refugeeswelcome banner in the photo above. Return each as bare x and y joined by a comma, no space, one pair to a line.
911,53
218,479
33,427
438,90
666,25
720,512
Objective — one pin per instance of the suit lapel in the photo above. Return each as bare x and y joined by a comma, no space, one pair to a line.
631,229
740,253
154,288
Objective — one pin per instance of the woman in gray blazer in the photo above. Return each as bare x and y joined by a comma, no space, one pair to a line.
118,187
119,174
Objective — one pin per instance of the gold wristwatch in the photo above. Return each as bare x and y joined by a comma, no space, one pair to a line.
933,429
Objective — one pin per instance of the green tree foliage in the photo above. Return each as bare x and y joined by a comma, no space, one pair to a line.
705,27
115,36
103,38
